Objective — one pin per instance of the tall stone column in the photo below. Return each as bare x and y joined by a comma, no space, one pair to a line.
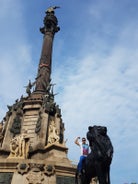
44,69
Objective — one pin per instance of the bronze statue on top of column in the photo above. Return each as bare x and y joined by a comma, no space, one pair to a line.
44,69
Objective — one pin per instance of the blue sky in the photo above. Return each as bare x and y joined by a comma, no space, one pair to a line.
95,68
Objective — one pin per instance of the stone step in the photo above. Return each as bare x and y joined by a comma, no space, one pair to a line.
28,129
33,115
30,123
28,118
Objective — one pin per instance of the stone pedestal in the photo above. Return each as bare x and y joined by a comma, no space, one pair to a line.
35,152
29,171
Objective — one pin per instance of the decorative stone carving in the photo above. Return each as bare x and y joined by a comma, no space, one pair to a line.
53,133
29,87
36,167
16,125
1,132
22,168
49,170
58,111
10,108
18,105
61,134
35,177
38,124
48,100
19,147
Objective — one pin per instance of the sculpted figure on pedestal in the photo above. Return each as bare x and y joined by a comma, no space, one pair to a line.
19,146
53,133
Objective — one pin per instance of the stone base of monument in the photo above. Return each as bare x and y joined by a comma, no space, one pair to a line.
25,171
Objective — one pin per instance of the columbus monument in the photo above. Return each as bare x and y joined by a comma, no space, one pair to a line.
32,145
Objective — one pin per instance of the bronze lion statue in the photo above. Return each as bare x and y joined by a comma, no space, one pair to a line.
97,163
